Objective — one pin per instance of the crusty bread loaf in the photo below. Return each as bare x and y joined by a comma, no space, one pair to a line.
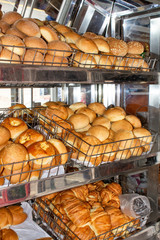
79,120
84,60
99,108
29,28
18,214
135,47
48,34
4,135
37,43
16,32
4,26
7,56
99,132
11,17
59,49
86,45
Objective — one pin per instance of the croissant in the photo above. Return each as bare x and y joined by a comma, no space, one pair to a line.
67,195
115,188
84,233
93,196
77,212
100,221
99,185
109,198
81,192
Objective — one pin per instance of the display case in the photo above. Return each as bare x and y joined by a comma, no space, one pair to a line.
136,91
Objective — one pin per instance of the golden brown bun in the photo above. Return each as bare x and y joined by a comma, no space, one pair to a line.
6,56
83,130
70,112
16,176
34,175
135,121
4,26
114,114
11,17
4,135
118,47
73,46
79,120
102,45
13,40
120,108
75,106
37,21
29,137
14,153
135,47
99,132
43,152
110,150
87,145
62,29
15,125
102,121
103,61
90,35
143,134
61,149
9,234
35,42
137,151
48,34
56,111
120,125
17,106
134,61
71,37
86,45
124,154
16,32
120,63
89,112
111,134
27,27
6,218
84,60
51,60
124,135
72,138
18,215
62,49
32,57
99,108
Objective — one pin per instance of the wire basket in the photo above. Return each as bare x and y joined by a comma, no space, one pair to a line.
74,58
90,155
28,170
53,221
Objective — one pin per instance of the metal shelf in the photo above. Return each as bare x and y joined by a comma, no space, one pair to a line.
38,76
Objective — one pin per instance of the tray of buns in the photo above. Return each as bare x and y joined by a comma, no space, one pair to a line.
35,42
96,134
29,150
87,212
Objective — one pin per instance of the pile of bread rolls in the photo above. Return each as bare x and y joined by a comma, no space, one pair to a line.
97,134
89,211
10,216
25,152
37,42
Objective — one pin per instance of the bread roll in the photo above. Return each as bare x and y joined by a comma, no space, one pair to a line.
4,26
18,214
61,149
27,27
11,17
102,121
6,218
121,125
70,112
115,188
99,132
88,112
124,138
86,45
37,21
15,125
18,108
71,37
16,176
135,121
62,29
114,114
16,32
134,61
125,154
29,137
111,134
9,234
7,56
89,35
79,120
42,155
73,46
34,175
4,135
143,134
56,112
59,49
32,57
102,45
99,108
103,61
75,106
14,153
90,145
135,47
83,130
118,47
84,60
48,34
110,150
51,60
13,41
37,43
